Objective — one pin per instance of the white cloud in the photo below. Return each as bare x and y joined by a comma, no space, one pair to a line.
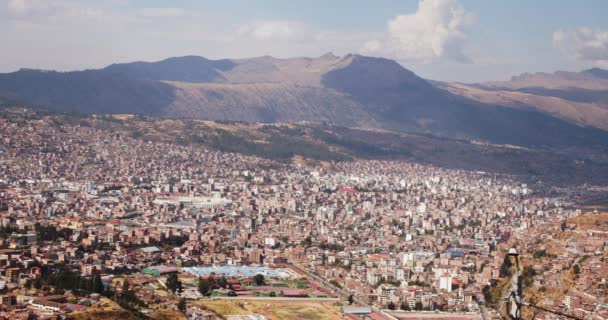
17,7
274,30
161,12
583,44
44,11
437,30
284,39
78,34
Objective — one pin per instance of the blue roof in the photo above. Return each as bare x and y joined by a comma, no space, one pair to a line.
456,253
231,272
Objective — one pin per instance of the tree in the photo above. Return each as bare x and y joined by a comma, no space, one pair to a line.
173,283
127,297
350,299
222,282
487,294
564,226
335,283
38,283
405,306
125,286
505,268
108,292
391,306
181,305
204,286
418,306
528,276
97,284
307,241
492,246
259,279
539,254
273,294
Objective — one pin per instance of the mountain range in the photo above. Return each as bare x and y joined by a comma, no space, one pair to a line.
531,110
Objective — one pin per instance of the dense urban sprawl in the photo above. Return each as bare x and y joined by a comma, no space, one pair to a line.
89,216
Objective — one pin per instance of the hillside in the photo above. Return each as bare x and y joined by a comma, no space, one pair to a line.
562,259
265,102
321,144
592,79
87,91
402,101
352,91
578,97
561,104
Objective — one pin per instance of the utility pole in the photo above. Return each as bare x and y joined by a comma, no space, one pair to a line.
514,297
515,293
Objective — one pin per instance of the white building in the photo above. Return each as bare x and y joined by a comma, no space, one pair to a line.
197,202
269,241
445,282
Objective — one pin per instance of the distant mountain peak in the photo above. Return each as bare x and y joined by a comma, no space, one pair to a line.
596,69
190,58
597,72
187,68
34,70
329,55
352,90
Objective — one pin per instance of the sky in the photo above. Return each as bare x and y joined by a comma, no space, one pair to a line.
448,40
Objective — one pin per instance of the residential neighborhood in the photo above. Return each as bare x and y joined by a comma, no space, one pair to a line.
91,220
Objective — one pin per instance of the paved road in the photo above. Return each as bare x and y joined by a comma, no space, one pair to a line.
342,293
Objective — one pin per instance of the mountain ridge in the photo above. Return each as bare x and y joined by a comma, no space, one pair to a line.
577,97
353,90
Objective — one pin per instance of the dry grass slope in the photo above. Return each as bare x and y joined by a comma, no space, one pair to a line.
588,114
279,310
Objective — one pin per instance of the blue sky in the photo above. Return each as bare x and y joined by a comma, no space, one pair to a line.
453,40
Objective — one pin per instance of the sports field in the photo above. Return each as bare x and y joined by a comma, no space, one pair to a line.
276,310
